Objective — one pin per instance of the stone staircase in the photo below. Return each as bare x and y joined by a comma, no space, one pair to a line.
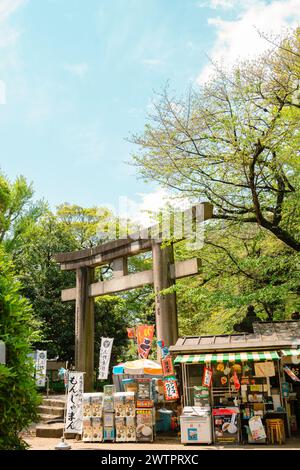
51,418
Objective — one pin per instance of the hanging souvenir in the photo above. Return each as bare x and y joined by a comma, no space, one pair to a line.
237,368
236,381
246,369
224,380
220,367
207,377
227,369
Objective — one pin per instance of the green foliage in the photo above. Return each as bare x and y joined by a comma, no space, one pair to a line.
18,329
240,267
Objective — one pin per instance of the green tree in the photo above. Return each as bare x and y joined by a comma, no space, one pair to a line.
18,330
234,142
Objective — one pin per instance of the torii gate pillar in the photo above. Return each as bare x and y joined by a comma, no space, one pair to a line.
84,326
165,305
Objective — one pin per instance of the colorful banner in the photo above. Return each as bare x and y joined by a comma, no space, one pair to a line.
40,368
167,366
131,333
171,389
207,377
144,335
104,358
73,422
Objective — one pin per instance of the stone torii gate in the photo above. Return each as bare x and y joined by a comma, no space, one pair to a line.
163,275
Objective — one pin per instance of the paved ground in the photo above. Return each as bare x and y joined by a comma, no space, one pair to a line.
38,443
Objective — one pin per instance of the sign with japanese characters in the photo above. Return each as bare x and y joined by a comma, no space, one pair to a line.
74,417
207,377
171,389
104,359
167,366
144,335
40,368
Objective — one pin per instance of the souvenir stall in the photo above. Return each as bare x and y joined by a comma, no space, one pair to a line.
290,371
153,391
243,390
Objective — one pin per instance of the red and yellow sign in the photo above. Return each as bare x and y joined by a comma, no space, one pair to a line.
167,366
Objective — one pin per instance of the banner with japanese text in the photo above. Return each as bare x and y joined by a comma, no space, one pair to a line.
104,358
40,368
144,336
74,416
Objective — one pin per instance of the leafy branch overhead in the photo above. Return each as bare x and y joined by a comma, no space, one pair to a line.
234,142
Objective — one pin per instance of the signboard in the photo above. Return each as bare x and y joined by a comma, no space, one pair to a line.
257,429
226,426
2,353
291,374
167,366
74,414
40,368
170,389
104,358
144,335
207,377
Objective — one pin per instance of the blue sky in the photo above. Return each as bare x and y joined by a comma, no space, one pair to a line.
79,78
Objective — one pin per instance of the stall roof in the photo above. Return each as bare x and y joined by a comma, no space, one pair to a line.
266,335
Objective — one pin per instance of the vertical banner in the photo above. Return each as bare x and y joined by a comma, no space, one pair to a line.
75,403
40,368
144,335
104,358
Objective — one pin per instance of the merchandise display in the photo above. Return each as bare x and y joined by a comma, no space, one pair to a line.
144,425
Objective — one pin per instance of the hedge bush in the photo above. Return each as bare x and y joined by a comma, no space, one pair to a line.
18,329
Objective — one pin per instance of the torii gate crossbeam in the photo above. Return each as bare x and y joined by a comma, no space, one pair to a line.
163,275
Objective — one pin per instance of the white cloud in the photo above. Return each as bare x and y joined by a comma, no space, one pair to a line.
142,211
79,69
239,39
8,34
152,62
7,7
214,4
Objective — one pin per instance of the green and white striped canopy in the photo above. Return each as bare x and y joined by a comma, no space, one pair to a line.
226,357
290,352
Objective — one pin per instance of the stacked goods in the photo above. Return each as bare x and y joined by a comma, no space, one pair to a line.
124,403
92,427
145,412
108,413
125,429
144,425
144,393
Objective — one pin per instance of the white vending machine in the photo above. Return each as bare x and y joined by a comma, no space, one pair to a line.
195,425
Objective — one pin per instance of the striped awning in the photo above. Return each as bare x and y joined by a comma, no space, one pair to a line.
226,357
290,352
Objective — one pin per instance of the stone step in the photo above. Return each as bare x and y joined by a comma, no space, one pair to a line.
53,402
44,418
50,430
51,410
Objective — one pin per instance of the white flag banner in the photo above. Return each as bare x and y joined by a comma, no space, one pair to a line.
73,422
40,368
104,359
